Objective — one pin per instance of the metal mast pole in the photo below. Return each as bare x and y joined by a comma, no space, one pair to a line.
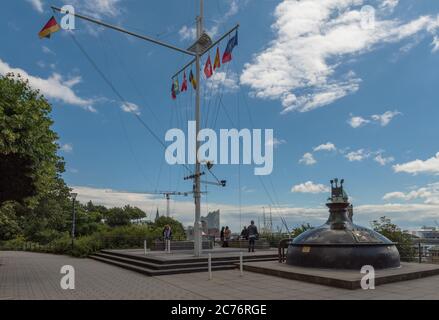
199,52
197,183
168,208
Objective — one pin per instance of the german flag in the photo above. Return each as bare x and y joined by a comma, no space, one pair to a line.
51,27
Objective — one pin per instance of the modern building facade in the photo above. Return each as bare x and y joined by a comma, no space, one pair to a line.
211,224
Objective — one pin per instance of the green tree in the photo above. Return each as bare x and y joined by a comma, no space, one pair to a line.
9,226
117,217
34,199
391,231
301,229
30,168
176,227
134,213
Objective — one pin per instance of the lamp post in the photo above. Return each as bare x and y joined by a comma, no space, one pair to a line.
74,195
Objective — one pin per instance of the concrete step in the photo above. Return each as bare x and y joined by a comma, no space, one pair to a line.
231,259
150,265
152,272
175,265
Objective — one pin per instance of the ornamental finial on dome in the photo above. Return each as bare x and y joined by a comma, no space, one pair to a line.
337,192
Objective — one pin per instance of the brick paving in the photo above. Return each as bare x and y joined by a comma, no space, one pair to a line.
33,276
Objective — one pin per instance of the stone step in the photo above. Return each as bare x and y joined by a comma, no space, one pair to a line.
152,272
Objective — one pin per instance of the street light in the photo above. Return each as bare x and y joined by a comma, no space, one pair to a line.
74,195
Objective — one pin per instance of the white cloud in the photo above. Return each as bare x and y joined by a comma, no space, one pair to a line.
389,4
381,119
429,194
325,147
67,148
276,142
300,66
73,81
37,4
247,189
228,82
356,122
429,166
190,32
54,87
383,160
385,118
435,44
358,155
308,159
394,195
130,108
47,50
97,8
310,187
187,33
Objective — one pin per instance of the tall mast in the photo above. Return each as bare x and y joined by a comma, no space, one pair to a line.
198,243
196,56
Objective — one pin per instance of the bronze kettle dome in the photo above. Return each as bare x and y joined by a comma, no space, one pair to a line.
339,243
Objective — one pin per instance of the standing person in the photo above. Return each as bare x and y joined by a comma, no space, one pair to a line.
227,234
253,234
244,233
222,237
167,236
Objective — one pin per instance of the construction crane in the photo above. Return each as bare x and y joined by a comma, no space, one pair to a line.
168,195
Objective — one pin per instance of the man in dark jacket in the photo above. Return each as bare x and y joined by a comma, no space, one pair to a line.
253,234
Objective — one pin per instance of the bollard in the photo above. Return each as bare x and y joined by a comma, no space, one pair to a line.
241,267
209,263
145,246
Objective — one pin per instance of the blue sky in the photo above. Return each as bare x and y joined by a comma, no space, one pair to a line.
345,100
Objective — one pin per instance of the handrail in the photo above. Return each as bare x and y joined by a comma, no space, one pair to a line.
283,244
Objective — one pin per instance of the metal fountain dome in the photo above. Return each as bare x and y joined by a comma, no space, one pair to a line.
341,244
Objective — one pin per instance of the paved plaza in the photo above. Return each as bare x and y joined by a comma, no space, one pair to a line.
33,276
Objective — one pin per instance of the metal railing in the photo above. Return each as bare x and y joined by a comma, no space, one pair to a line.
283,244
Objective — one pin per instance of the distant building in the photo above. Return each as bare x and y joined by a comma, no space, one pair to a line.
211,224
157,215
425,233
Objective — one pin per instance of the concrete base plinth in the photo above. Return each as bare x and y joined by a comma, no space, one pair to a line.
346,279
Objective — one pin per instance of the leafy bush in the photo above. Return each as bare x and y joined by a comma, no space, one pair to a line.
92,235
15,244
9,227
391,231
301,229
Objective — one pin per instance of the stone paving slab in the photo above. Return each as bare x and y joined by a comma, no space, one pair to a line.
347,279
32,276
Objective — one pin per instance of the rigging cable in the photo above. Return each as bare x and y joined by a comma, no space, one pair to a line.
116,92
274,203
125,132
